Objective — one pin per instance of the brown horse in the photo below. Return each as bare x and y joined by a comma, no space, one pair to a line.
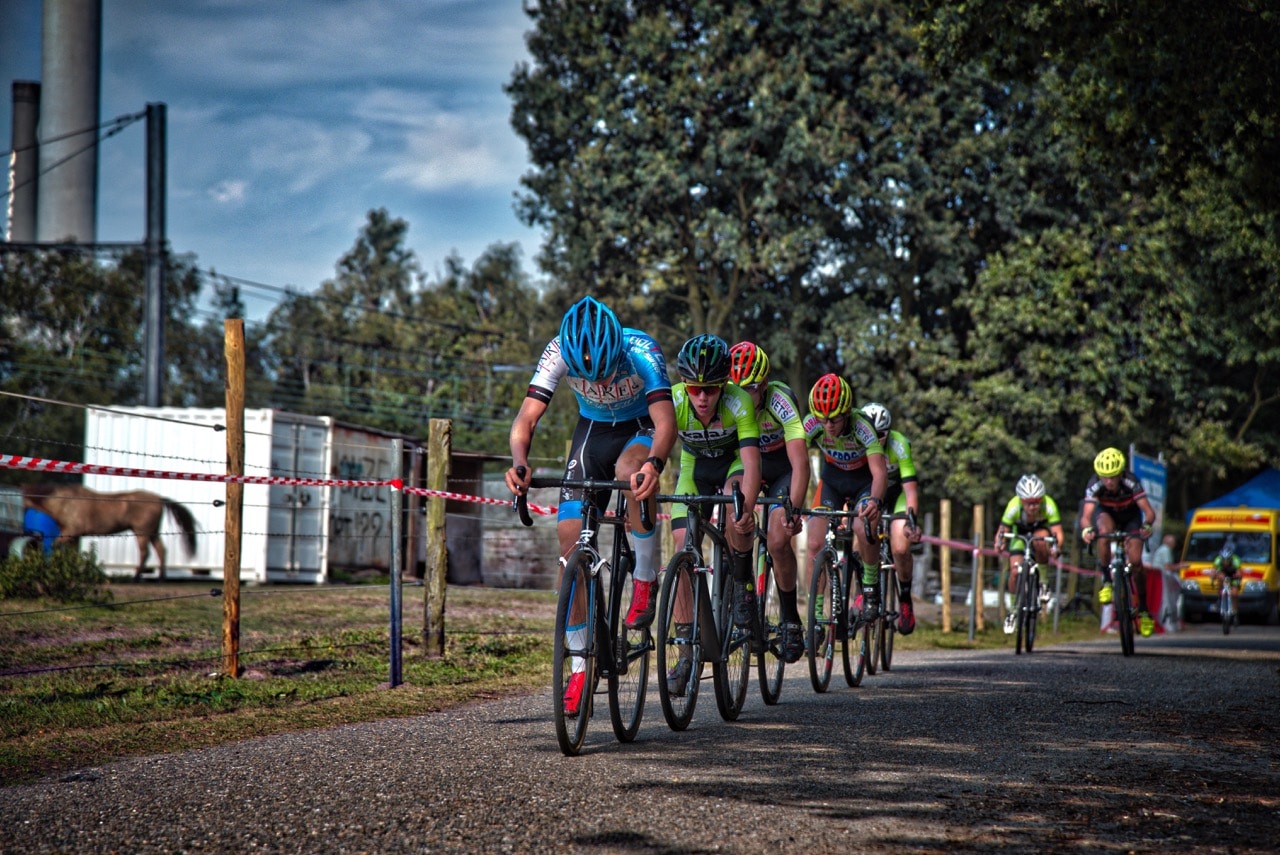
80,511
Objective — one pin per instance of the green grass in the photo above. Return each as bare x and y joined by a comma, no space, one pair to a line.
141,674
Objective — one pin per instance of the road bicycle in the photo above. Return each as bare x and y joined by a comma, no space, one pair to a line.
703,631
1124,593
770,664
1027,600
829,586
603,646
1227,600
885,628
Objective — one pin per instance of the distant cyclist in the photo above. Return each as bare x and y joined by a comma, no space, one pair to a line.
1226,564
626,428
854,473
1030,513
784,468
720,445
903,495
1115,500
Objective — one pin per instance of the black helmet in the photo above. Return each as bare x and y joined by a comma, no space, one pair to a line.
704,359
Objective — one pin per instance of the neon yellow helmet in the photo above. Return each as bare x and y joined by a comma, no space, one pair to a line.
1109,463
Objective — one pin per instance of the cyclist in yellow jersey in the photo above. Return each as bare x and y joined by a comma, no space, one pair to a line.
784,470
902,497
1030,513
719,435
854,472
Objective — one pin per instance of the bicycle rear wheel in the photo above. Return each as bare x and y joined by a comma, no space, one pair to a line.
769,663
889,623
575,646
678,643
1124,609
731,672
820,634
629,680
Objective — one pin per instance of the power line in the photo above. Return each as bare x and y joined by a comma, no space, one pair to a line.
116,125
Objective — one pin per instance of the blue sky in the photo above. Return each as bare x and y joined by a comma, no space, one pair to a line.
289,120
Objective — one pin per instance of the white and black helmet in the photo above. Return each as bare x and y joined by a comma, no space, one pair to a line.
878,415
1030,487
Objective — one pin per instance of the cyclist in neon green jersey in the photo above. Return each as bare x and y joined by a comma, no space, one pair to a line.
854,471
720,445
784,470
1030,513
903,497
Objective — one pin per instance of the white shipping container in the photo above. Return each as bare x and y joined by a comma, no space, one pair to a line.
290,533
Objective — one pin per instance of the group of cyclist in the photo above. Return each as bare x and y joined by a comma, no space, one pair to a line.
1114,501
736,426
739,426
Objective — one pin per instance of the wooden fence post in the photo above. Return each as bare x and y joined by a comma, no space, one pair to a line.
439,450
944,561
233,351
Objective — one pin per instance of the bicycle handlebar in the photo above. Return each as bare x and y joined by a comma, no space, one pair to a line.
521,500
736,499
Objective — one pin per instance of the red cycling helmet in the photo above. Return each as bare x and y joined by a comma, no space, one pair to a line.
830,397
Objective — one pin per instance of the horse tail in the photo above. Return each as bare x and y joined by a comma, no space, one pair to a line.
186,522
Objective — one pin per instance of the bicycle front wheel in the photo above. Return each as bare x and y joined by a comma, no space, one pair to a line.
1019,613
820,634
1224,607
1121,585
731,672
854,650
679,652
1032,606
889,623
629,679
770,665
573,660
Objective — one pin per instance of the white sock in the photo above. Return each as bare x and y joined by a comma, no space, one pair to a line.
645,545
577,637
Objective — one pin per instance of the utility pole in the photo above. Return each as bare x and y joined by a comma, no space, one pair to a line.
155,244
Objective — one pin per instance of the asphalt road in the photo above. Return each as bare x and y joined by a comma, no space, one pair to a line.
1073,748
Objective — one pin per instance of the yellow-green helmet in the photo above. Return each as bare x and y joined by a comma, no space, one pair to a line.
1109,462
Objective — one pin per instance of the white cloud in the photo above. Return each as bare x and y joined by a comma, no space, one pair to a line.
230,193
305,154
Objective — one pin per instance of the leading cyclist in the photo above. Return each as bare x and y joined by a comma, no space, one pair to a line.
784,470
626,428
1115,500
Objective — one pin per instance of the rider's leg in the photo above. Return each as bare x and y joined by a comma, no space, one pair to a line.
784,564
869,552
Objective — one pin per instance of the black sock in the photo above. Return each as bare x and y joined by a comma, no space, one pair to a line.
787,600
742,562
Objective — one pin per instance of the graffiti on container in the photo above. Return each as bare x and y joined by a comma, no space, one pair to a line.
353,468
357,524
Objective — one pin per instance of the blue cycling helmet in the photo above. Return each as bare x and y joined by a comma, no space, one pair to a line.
591,340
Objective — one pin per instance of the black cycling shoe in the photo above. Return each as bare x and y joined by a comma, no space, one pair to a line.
870,602
792,642
744,608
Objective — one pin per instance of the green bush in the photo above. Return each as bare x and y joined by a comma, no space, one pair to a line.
67,575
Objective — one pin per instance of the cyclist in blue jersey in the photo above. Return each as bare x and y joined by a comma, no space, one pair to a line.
626,429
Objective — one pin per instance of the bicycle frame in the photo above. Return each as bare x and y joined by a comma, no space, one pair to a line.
608,649
827,626
1122,586
712,637
1026,603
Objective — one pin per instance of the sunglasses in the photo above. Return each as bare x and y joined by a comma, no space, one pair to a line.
701,390
752,388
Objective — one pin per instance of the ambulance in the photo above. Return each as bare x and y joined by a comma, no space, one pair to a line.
1252,533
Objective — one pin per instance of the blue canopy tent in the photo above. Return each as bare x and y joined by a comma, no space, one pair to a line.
1260,491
